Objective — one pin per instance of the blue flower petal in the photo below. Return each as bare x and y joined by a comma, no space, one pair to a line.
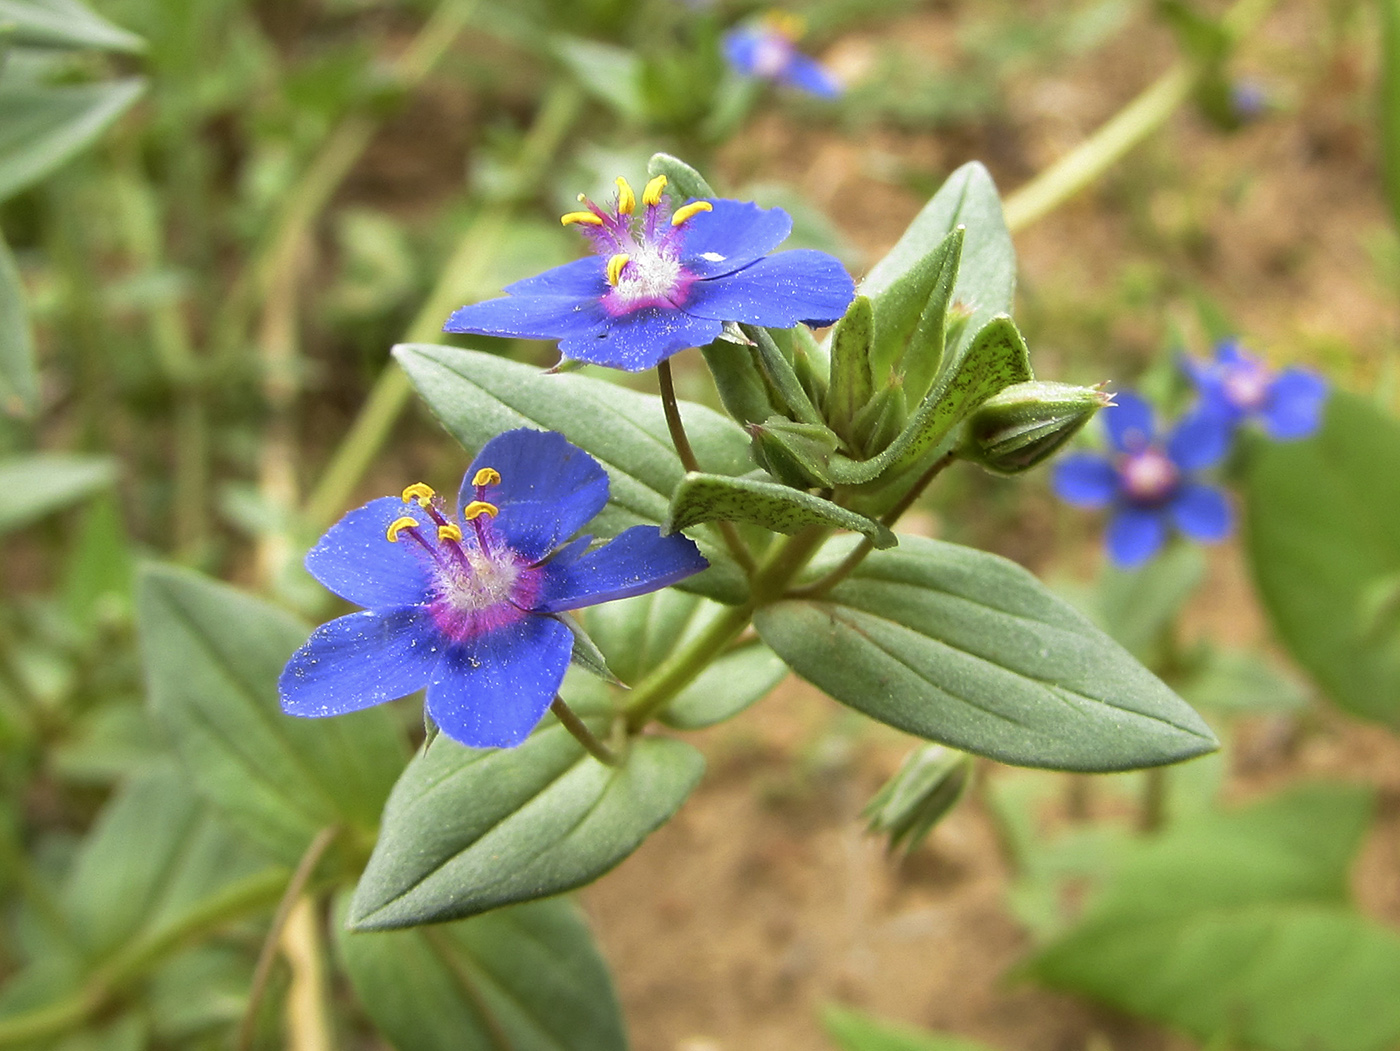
639,340
778,291
360,660
582,279
356,561
1128,422
634,562
529,317
1085,480
741,48
491,691
808,75
731,236
1295,405
1202,438
1202,513
1134,535
549,489
1228,352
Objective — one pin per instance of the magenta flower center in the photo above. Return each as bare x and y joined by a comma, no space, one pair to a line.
1148,476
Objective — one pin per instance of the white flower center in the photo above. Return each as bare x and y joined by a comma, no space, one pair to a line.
489,583
649,274
1148,475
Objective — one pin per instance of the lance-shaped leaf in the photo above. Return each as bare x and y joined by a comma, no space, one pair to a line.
63,24
467,830
213,655
477,396
910,316
996,359
37,484
986,280
46,125
528,978
19,382
968,649
851,384
681,178
712,497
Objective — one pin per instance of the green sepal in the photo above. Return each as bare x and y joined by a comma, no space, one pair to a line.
586,653
797,454
778,368
996,358
851,385
681,179
1026,423
909,317
712,497
880,421
743,390
808,363
925,789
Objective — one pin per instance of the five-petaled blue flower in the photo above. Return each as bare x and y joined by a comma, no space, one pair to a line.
1148,482
767,49
663,281
468,604
1239,386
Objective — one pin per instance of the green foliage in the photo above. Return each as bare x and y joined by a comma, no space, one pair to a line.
19,382
711,497
1324,544
925,789
467,830
46,125
853,1030
213,690
63,24
527,977
1237,928
477,396
38,484
911,315
970,650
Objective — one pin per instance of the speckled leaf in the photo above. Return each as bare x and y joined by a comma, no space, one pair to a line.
477,396
965,648
711,497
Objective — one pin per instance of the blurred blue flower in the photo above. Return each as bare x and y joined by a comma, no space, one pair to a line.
662,281
1148,483
468,604
1239,386
1249,100
767,49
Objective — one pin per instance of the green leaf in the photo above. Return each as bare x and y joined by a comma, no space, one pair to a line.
857,1031
712,497
996,359
37,484
64,24
527,977
1234,682
44,125
910,317
156,854
467,830
1236,929
1324,542
965,648
1136,606
612,74
738,380
796,454
987,272
741,677
477,396
681,178
212,656
19,378
851,384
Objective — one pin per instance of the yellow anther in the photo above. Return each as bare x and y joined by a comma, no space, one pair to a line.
693,208
652,194
449,531
786,23
587,218
479,507
626,199
487,476
406,522
615,265
419,492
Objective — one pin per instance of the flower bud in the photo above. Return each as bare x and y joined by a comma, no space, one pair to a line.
926,787
796,454
1027,422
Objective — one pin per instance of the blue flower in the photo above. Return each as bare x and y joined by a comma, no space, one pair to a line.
468,604
662,281
767,49
1239,386
1148,483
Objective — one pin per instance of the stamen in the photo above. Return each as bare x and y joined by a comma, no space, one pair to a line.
626,199
477,508
615,265
586,218
692,209
449,531
651,196
406,522
419,492
487,476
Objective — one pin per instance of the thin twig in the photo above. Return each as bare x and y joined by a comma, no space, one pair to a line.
576,726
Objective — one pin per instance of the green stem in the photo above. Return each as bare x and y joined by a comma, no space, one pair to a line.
596,748
1084,164
474,254
784,561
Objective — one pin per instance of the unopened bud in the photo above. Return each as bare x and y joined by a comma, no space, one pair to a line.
924,790
1027,422
797,454
881,419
